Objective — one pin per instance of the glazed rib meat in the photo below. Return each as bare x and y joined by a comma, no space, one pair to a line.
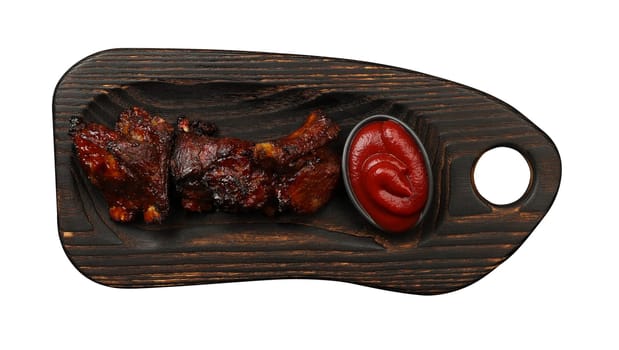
308,183
295,173
129,164
317,131
216,172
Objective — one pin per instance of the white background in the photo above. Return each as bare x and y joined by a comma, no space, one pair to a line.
554,62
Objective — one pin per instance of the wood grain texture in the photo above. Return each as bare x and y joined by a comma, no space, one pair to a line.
259,96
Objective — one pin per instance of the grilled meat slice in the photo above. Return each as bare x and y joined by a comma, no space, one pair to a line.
128,164
309,182
317,131
217,172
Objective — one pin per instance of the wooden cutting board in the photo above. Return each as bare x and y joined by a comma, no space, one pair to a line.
260,96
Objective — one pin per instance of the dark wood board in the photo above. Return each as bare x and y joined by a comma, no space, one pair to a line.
259,96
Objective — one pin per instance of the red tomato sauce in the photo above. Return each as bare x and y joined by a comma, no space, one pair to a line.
388,175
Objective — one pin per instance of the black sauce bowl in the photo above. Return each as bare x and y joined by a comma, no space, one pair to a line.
345,172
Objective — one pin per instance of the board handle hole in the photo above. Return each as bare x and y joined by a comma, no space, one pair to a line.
502,175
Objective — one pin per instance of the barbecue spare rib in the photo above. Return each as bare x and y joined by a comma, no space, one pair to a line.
130,165
297,172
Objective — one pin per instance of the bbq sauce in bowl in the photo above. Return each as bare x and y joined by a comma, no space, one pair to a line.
386,173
